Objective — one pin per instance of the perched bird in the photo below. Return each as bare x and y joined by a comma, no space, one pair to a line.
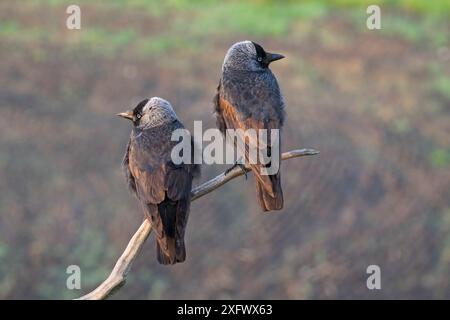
248,97
163,188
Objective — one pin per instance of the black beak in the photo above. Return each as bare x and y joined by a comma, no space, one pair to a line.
127,115
271,57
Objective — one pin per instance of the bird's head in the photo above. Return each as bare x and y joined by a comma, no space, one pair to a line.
249,56
150,113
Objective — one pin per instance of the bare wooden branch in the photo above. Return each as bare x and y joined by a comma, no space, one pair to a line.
118,275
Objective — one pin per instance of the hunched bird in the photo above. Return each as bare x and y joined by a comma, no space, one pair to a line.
162,188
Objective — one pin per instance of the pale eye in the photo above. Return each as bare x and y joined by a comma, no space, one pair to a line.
259,59
138,116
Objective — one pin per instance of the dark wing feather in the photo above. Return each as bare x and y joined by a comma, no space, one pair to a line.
255,95
126,169
252,100
164,188
220,121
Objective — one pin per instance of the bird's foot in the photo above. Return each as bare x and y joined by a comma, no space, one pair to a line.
240,165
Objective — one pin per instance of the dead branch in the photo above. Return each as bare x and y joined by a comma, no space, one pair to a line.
118,275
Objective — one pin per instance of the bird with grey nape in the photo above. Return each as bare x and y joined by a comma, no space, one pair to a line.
248,97
162,188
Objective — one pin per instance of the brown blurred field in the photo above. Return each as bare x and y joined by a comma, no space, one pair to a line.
375,103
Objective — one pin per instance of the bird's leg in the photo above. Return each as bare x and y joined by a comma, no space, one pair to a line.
239,163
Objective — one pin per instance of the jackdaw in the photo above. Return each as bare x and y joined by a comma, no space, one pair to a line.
162,187
248,97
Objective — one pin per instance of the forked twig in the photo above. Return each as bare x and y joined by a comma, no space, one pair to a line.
118,275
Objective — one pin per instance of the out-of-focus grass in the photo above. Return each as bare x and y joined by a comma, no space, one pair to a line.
441,85
182,22
440,81
160,44
12,29
440,158
435,7
8,28
178,23
401,125
259,20
427,30
99,39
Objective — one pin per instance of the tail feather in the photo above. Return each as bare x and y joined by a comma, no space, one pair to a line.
169,230
265,181
174,252
270,200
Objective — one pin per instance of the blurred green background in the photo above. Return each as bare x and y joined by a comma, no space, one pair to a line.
375,103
